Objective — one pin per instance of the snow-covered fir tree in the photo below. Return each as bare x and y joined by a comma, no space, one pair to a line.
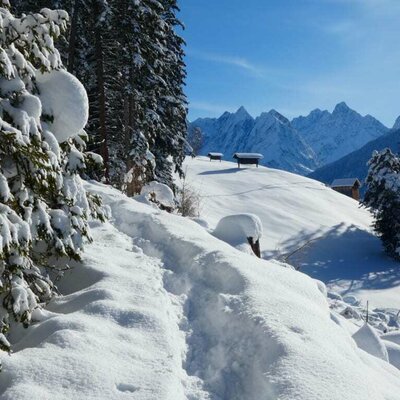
170,142
130,58
43,206
383,198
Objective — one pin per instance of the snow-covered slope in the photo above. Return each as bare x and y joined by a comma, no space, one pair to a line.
355,163
339,247
333,135
160,309
270,134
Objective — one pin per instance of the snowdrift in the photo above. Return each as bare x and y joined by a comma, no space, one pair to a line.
161,309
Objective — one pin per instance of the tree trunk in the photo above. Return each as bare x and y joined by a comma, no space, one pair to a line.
72,36
102,101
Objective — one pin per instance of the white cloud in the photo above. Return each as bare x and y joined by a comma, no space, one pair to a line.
235,61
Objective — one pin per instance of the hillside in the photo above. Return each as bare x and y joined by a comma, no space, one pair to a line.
355,163
172,313
294,210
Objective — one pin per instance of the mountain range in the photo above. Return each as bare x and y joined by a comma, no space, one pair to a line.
301,145
355,163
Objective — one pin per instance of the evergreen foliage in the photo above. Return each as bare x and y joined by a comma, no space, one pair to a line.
43,206
130,58
195,139
383,198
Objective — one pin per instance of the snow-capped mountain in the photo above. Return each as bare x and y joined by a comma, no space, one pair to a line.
334,135
282,146
270,134
396,125
300,145
228,133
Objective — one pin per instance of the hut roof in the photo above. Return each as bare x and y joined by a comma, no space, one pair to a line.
248,155
348,182
215,154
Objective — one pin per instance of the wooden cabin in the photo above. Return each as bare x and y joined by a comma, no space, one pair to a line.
215,156
347,186
247,158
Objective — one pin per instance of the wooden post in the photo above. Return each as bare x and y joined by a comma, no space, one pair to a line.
255,246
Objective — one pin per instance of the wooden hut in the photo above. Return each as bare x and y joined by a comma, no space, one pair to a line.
347,186
215,156
247,158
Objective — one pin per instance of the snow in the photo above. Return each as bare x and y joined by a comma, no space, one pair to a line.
215,154
236,229
160,193
333,233
334,135
367,339
345,182
64,98
161,309
248,155
392,337
393,351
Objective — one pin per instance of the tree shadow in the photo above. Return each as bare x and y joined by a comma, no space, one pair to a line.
222,171
345,256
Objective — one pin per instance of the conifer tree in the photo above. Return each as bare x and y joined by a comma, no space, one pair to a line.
130,58
383,198
43,205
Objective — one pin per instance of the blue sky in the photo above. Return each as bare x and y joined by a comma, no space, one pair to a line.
293,56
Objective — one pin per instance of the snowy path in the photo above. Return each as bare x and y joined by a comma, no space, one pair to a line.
163,310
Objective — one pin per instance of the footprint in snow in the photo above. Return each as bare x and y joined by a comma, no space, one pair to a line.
127,387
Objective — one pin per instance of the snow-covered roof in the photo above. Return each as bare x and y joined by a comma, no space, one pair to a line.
248,155
345,182
215,154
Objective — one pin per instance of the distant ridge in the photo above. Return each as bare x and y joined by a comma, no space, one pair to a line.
355,163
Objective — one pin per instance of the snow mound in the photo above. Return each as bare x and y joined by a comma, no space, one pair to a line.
159,193
235,229
161,309
368,340
64,99
392,337
393,350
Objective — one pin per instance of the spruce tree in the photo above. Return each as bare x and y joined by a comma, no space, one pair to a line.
170,141
43,205
130,58
383,198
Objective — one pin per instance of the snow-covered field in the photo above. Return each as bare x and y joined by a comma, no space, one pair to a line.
295,211
161,309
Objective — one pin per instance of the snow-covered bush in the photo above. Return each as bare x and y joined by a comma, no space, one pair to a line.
43,205
383,198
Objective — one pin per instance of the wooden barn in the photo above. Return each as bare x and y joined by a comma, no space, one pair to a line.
247,158
215,156
347,186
